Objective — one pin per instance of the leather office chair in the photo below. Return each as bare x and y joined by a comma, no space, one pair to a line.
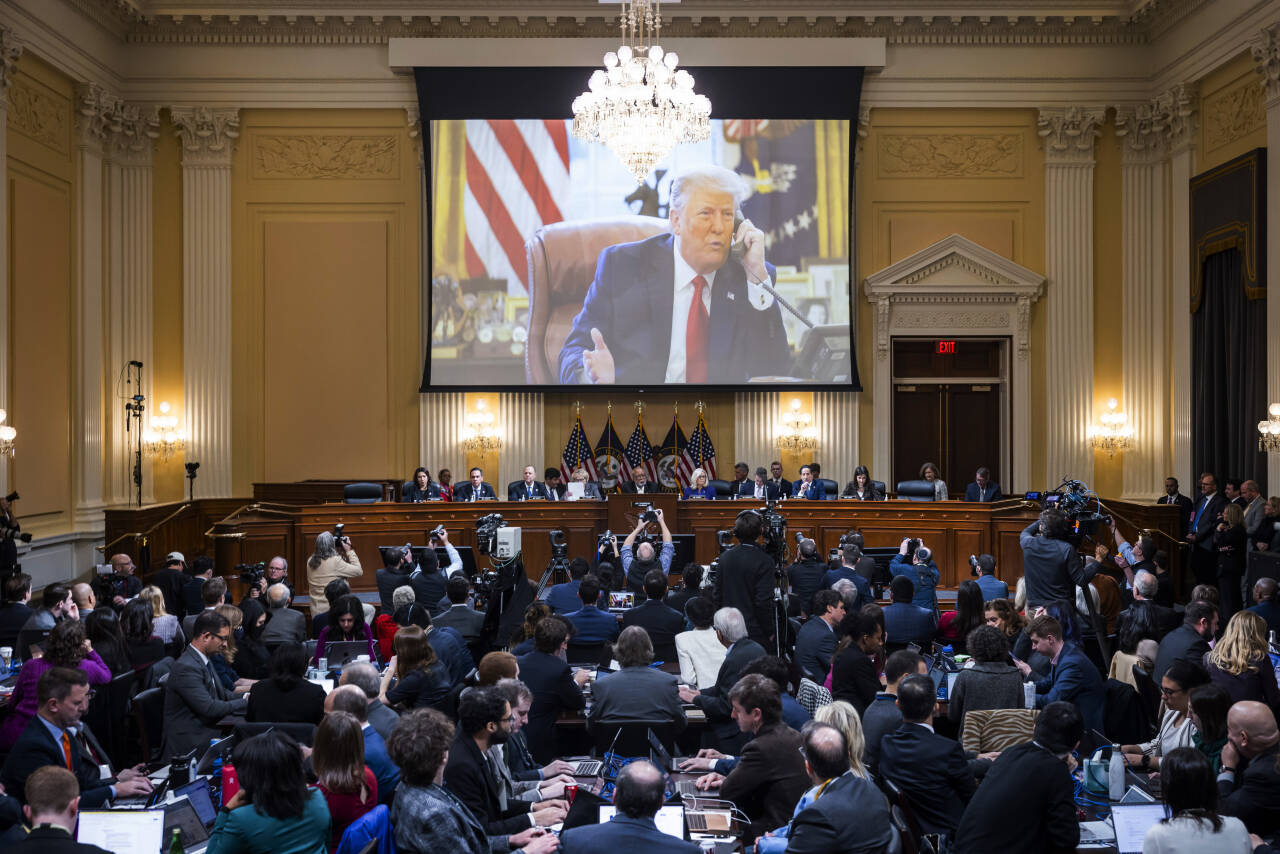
915,490
562,263
404,489
302,733
878,486
832,488
362,493
633,740
147,708
723,488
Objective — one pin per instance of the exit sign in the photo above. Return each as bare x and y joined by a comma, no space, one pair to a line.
946,348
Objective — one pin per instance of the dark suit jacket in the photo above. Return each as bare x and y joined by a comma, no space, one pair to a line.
270,703
851,817
1038,783
194,702
973,492
714,701
817,490
745,582
171,583
1185,506
868,494
814,645
414,494
806,578
1207,519
1254,796
469,777
428,587
1165,619
13,616
1052,568
784,485
284,624
551,683
905,622
931,771
1074,679
881,718
55,840
1181,644
630,301
650,488
518,492
748,489
853,678
462,492
563,598
638,694
662,623
623,835
769,778
36,748
468,621
191,601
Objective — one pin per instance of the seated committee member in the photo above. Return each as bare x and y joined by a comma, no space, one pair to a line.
808,486
590,490
676,308
930,472
194,699
776,478
699,487
554,482
528,487
861,488
1072,678
759,487
445,478
983,488
640,483
637,691
474,490
421,488
638,794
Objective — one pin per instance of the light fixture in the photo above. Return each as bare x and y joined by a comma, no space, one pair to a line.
641,105
8,435
1268,431
480,434
797,434
163,438
1114,434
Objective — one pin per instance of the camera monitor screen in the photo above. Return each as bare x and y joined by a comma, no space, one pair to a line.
552,265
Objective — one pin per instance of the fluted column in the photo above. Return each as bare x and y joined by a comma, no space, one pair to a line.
443,418
208,140
1266,54
523,424
835,417
1182,165
129,284
755,427
10,51
1069,134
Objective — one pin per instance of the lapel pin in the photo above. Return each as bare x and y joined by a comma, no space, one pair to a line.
730,294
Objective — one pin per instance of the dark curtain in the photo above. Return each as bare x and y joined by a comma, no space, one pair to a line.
1228,374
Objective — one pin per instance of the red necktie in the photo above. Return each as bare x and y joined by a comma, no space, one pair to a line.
695,345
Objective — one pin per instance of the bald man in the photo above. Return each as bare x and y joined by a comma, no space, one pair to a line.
1264,593
121,585
82,595
1249,783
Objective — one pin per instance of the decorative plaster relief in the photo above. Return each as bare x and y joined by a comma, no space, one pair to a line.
313,156
1234,113
952,155
208,135
1069,132
907,319
39,114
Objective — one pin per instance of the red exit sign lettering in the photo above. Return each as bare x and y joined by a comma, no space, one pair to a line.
946,348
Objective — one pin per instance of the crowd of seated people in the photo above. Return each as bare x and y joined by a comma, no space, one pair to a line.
444,738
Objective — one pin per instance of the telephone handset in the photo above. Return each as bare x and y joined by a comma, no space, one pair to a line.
738,249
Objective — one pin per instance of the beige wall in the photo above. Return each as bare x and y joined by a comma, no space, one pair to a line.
1233,112
1108,283
166,308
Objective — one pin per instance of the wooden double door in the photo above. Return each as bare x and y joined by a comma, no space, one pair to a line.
951,409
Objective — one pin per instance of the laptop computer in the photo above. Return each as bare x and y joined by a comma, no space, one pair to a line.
595,767
1131,823
660,757
122,831
183,816
711,815
670,820
197,792
205,766
341,653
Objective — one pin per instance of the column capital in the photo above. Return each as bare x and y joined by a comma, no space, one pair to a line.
137,128
1265,47
1069,132
10,51
413,123
97,117
861,129
208,134
1150,131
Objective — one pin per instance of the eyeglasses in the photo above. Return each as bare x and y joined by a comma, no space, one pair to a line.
1169,692
508,719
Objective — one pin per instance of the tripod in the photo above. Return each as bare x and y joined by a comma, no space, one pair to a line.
557,572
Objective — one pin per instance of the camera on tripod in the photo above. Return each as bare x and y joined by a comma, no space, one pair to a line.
1072,497
724,539
487,532
559,544
774,532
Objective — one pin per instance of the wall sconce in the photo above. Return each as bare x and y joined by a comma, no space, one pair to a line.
797,434
1114,434
1268,431
163,439
480,435
8,435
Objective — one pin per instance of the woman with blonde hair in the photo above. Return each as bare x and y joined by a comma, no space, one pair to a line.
349,786
844,717
222,662
1239,663
163,624
589,489
699,487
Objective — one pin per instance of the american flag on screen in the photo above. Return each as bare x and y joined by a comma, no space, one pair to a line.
578,453
640,452
610,461
698,453
669,456
517,179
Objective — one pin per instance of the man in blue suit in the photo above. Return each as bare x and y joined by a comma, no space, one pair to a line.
528,488
808,486
1204,520
592,624
760,487
637,795
677,308
982,488
476,490
1073,677
905,622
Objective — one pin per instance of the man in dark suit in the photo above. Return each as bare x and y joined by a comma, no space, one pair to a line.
856,567
708,322
1189,641
194,698
14,611
1164,619
171,580
759,487
770,776
1264,593
1231,489
905,622
1204,519
638,794
474,490
640,483
63,697
53,805
1072,676
660,621
467,621
1036,776
1249,781
805,577
637,691
590,623
808,486
283,623
563,598
776,478
883,715
817,638
983,488
929,769
851,816
484,720
528,488
554,688
714,701
1185,505
745,580
213,592
1050,564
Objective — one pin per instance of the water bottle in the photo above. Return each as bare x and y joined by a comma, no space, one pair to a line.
1115,774
1029,694
175,842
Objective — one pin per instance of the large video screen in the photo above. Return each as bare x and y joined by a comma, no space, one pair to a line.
552,266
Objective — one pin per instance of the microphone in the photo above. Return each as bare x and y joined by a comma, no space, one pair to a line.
135,364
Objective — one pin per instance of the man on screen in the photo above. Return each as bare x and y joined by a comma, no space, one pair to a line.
677,308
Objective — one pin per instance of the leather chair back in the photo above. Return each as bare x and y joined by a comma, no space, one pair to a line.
147,708
915,490
562,263
831,487
362,493
878,486
723,488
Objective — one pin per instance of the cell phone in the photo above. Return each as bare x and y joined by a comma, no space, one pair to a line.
738,249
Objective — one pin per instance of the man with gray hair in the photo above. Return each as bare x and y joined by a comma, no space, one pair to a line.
283,623
638,795
637,561
731,629
364,676
679,307
637,691
1163,620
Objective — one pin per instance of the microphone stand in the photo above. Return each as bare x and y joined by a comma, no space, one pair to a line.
133,421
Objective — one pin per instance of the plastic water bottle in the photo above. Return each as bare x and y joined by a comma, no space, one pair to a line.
1115,774
1029,694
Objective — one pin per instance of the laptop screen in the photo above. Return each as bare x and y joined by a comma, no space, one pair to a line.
122,831
622,600
182,815
658,753
1132,824
198,793
670,820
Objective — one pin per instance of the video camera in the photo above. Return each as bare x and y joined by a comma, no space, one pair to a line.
487,532
252,573
559,544
12,530
724,539
774,532
1073,498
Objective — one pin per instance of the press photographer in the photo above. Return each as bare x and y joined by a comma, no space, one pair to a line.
637,561
333,559
120,585
745,579
10,533
1052,566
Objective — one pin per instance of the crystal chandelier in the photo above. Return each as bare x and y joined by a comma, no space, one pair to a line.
163,437
8,436
480,435
797,434
640,105
1269,430
1114,434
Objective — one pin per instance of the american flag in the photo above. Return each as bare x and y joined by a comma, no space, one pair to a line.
640,452
610,462
669,456
578,453
517,179
698,453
